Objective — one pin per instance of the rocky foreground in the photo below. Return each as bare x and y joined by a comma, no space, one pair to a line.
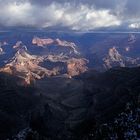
71,109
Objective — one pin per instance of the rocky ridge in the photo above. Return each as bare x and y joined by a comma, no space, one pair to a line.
115,59
57,42
28,67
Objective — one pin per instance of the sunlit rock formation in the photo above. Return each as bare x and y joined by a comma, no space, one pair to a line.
19,45
31,67
76,66
115,59
42,42
26,66
56,42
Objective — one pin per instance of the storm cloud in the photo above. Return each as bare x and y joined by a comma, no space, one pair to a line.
73,14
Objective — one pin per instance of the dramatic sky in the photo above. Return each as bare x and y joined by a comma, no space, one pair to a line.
71,14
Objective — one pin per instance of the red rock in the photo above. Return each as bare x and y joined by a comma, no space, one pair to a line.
76,66
42,42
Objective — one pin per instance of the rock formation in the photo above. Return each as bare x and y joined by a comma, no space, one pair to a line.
113,58
26,66
56,42
19,45
42,42
76,66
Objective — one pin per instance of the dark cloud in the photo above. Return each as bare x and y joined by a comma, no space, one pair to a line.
74,14
97,3
132,8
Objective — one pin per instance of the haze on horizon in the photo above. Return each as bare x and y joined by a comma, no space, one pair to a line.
82,15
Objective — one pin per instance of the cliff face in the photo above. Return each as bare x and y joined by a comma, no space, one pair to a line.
19,45
26,66
76,66
56,42
116,51
29,68
42,42
115,59
111,51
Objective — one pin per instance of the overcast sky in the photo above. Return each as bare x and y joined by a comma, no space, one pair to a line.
71,14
